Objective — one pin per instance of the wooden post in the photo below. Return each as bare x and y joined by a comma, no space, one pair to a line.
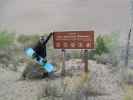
127,48
86,61
125,68
63,62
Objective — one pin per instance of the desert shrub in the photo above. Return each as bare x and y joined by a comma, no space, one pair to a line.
6,39
27,40
92,55
22,38
33,71
101,46
107,49
130,76
128,92
7,58
107,43
102,58
75,55
107,59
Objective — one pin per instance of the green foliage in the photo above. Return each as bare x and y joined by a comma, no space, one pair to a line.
108,41
105,44
112,41
6,39
101,46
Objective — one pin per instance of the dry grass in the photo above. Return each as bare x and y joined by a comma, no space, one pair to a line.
128,92
76,82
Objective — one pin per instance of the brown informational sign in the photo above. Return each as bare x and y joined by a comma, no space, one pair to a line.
74,40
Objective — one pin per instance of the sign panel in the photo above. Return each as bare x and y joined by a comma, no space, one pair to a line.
73,40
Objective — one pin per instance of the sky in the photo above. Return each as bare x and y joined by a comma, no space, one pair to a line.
36,16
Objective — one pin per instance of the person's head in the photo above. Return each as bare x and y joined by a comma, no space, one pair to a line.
42,39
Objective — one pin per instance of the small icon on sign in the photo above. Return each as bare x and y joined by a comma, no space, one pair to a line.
65,44
72,45
58,44
88,45
80,44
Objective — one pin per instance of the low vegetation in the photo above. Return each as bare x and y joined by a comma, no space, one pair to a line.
106,50
6,39
128,92
27,40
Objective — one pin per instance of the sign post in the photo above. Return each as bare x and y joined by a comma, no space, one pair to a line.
86,61
63,62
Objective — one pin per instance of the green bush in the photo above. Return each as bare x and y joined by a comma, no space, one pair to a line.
101,46
105,44
112,41
6,39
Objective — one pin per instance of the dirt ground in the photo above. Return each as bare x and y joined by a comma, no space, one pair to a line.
99,84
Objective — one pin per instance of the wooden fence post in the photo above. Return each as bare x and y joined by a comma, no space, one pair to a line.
86,61
63,62
125,68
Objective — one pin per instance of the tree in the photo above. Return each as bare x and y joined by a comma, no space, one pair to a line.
101,46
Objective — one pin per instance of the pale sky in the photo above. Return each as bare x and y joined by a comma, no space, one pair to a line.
34,16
